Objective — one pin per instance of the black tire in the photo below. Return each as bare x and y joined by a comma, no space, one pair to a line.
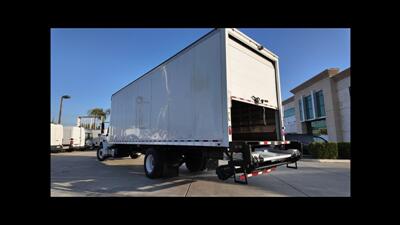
195,161
155,169
99,155
135,155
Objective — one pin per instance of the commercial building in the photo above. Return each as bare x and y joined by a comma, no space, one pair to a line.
289,116
321,106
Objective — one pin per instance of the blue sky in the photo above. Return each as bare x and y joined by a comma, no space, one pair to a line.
91,64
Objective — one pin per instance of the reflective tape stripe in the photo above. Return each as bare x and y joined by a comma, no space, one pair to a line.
255,173
274,142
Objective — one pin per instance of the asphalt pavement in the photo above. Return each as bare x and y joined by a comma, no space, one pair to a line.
81,174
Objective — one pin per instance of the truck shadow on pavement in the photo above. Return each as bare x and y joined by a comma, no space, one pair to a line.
95,187
84,175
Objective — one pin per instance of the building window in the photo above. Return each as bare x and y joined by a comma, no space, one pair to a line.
301,109
308,107
319,128
320,105
289,112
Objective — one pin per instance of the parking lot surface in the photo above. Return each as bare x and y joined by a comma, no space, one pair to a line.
81,174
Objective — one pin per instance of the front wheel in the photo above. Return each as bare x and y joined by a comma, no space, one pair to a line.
100,154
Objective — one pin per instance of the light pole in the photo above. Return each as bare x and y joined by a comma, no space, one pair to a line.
59,114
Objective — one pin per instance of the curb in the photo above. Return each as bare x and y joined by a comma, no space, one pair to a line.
327,160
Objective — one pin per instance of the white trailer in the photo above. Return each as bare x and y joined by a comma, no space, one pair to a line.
56,137
219,95
74,137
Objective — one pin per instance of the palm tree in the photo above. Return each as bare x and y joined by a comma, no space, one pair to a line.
99,113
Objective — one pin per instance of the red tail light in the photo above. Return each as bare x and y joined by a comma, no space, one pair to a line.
229,130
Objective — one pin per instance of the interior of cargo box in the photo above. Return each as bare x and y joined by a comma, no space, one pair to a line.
252,122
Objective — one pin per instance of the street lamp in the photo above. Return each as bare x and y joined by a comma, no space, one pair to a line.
59,114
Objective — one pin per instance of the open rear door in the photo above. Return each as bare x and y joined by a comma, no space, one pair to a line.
253,92
250,74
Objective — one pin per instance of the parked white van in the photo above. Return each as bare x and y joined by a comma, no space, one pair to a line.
56,136
74,137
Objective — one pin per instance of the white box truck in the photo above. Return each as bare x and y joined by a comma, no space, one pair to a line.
74,137
56,137
219,98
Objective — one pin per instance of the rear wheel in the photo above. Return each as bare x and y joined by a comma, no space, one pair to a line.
195,161
153,163
135,155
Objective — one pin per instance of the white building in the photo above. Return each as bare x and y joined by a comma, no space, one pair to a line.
289,115
321,106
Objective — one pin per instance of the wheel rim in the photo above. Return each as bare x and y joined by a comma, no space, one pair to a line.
150,163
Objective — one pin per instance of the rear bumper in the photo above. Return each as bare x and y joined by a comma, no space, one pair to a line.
253,159
294,156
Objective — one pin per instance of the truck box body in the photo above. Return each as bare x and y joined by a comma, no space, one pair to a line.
74,135
56,136
205,95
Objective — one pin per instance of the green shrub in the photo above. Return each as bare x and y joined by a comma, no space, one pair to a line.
315,149
344,150
323,150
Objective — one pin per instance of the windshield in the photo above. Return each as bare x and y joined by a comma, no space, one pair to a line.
318,139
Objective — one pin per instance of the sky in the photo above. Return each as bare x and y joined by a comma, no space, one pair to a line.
92,64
